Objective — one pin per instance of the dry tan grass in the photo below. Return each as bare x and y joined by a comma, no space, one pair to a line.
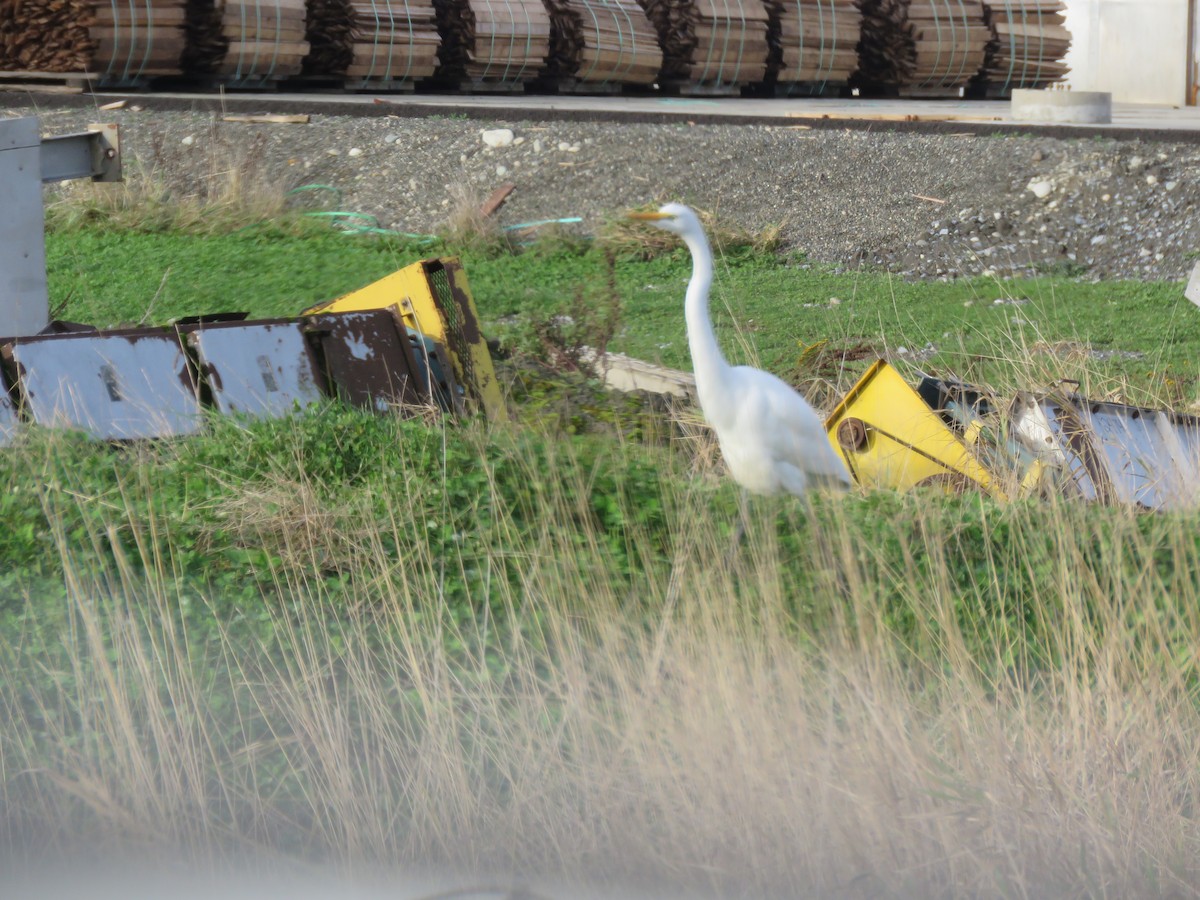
696,732
221,183
625,237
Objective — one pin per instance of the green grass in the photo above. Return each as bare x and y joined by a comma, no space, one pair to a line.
533,646
766,309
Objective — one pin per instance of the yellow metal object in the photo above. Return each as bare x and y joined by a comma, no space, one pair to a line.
889,437
433,297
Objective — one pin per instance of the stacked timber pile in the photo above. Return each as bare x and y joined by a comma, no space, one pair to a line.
491,43
813,42
926,46
119,40
711,42
373,41
595,43
1028,45
245,42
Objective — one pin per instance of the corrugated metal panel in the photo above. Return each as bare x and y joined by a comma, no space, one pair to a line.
115,386
262,369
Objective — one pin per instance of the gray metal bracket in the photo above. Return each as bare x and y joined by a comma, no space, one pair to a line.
26,162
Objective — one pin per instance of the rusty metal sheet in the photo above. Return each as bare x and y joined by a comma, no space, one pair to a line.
114,385
9,423
263,369
368,358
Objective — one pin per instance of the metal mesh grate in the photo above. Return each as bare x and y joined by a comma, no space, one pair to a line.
460,346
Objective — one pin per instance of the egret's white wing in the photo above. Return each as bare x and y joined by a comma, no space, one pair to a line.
793,431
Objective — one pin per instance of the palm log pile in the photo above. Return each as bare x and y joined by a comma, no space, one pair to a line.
706,42
373,40
602,42
929,44
117,39
245,40
813,41
1029,42
492,41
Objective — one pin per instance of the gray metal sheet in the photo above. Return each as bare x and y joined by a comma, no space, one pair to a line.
1139,459
9,423
1053,432
262,369
114,386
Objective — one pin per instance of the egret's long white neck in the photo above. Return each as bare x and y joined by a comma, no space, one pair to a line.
707,361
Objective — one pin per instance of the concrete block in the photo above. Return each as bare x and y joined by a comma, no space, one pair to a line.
1062,107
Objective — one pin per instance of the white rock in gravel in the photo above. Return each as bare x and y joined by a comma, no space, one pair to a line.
355,152
1099,239
501,171
1152,180
537,145
518,141
1171,185
188,141
1040,188
564,146
497,137
390,138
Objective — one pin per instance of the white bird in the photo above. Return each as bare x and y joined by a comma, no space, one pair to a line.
770,437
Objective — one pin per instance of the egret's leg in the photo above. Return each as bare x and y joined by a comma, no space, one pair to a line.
739,531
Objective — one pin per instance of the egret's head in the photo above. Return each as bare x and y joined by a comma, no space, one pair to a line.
673,217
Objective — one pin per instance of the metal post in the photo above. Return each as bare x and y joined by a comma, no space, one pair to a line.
26,161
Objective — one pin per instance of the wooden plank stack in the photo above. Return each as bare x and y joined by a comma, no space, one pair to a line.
122,41
927,46
814,43
600,43
245,43
376,42
1028,44
491,44
711,42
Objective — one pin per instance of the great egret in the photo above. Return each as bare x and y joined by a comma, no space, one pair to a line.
771,439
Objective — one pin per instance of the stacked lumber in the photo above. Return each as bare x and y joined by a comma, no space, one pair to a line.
706,42
499,42
812,41
372,40
1029,42
928,44
245,41
121,40
602,42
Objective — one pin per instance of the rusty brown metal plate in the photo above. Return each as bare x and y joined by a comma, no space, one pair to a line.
368,358
115,385
262,369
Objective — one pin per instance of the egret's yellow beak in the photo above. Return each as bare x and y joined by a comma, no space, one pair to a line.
649,216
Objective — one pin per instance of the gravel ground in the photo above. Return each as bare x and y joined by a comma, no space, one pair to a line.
920,205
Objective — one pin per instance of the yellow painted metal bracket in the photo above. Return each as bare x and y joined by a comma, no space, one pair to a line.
433,297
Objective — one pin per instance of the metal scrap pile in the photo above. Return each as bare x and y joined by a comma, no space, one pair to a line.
955,437
408,341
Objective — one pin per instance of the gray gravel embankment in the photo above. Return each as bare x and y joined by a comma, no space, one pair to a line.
920,205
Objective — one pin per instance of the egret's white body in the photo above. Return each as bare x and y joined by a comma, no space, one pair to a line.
771,439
